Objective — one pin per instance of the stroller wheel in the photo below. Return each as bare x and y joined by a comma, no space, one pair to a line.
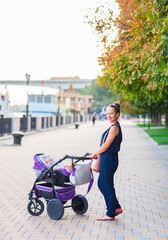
35,207
79,204
55,209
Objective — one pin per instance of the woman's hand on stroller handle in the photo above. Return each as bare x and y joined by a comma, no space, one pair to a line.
93,156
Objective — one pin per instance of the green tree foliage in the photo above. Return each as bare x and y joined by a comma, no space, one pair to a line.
101,96
145,106
141,68
136,65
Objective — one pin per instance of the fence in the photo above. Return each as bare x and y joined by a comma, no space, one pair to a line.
26,124
5,126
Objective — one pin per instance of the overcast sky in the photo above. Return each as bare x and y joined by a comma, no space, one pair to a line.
47,38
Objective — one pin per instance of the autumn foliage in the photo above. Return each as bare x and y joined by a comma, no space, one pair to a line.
135,64
137,59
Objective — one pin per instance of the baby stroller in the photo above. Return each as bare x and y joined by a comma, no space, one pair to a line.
47,181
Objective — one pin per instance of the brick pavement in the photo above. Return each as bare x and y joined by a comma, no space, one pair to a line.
141,186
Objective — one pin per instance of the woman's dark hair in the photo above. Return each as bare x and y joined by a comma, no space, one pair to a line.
115,105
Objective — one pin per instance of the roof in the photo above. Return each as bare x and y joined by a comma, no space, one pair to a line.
70,92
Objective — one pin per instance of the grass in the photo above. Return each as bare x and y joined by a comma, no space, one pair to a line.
159,135
146,125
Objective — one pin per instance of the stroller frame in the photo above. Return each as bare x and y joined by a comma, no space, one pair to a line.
56,198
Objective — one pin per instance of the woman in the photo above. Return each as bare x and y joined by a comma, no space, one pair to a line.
108,154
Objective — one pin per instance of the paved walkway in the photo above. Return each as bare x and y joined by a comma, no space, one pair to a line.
141,186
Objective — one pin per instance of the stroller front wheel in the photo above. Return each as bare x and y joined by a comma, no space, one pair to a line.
79,204
35,207
55,209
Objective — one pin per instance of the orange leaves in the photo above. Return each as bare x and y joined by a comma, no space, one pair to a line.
136,62
99,28
159,46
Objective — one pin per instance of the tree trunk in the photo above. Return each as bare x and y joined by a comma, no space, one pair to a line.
157,119
152,118
166,119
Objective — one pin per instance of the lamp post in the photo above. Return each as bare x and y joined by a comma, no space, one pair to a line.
74,107
27,81
59,99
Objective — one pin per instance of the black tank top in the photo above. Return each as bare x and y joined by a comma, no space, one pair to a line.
115,145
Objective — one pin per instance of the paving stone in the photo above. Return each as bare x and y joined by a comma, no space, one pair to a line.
127,237
90,238
140,187
163,235
160,238
149,234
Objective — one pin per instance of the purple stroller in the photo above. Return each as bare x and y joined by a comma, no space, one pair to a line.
56,198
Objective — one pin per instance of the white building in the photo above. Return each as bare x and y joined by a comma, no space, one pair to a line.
42,104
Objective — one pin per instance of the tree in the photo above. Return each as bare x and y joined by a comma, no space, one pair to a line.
101,96
145,106
136,65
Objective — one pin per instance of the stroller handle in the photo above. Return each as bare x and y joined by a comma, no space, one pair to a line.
79,158
73,157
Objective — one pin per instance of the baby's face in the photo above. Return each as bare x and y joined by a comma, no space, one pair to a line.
48,160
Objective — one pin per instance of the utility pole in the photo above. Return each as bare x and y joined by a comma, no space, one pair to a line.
27,81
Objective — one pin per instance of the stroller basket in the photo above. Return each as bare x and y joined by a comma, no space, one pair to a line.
63,194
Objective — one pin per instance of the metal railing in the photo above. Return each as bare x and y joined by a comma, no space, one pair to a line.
26,124
5,125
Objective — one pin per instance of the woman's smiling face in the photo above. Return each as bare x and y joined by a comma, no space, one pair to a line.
111,114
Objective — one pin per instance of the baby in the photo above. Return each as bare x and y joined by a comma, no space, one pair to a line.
63,171
51,161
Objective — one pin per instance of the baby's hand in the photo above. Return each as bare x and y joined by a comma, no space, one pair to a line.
67,168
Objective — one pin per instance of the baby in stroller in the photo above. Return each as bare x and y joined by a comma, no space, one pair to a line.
61,172
48,177
49,160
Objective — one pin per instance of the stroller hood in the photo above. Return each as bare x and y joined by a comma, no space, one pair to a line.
38,165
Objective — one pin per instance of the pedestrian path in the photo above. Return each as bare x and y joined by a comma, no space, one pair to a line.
141,185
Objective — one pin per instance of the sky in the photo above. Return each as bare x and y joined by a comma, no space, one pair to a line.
47,38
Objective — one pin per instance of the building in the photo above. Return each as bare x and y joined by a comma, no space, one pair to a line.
42,104
68,101
72,101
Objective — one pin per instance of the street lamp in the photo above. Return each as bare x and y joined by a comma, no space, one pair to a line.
27,81
59,88
74,107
